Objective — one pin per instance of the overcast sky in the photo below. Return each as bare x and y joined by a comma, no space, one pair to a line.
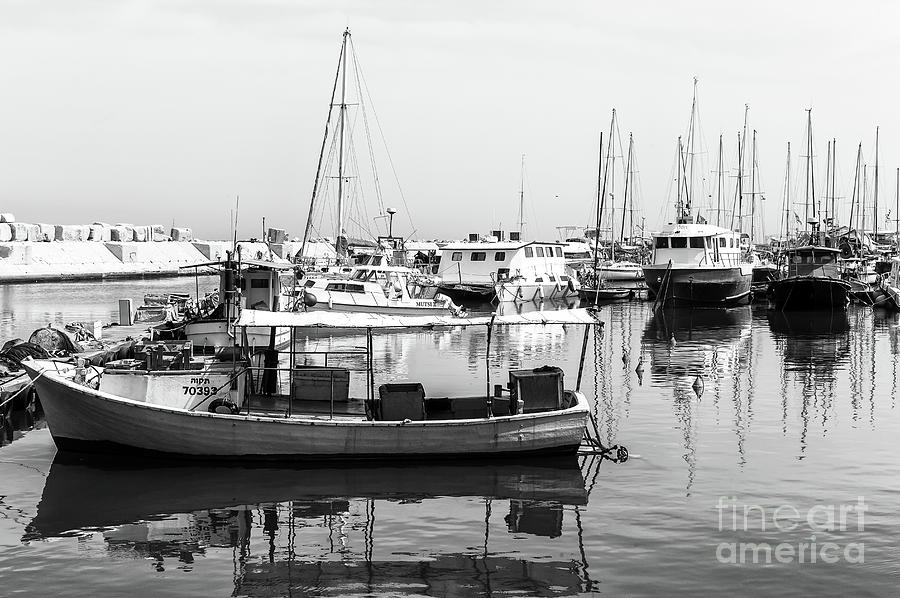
153,112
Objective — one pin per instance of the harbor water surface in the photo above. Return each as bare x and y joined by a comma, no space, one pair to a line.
748,429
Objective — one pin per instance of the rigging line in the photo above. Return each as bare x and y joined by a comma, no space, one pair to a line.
377,183
312,200
365,88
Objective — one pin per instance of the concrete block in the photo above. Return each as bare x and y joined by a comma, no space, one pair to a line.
276,235
7,217
48,232
140,234
160,237
6,232
121,234
212,250
19,231
100,233
34,232
68,232
277,249
182,234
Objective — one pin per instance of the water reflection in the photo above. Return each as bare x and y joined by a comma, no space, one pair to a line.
296,530
813,345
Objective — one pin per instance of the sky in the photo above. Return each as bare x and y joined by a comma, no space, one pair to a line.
165,112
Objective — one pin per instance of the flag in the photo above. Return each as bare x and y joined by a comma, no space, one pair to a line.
797,218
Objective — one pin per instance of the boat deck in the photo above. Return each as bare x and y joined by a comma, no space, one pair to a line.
435,408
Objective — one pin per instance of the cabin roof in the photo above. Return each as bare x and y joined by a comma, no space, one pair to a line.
811,248
495,245
246,263
691,230
331,319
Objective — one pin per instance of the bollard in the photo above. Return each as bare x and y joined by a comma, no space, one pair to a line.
125,312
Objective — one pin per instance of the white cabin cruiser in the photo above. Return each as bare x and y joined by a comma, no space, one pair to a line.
698,264
376,289
506,270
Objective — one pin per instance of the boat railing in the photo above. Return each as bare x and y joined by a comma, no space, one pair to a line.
314,378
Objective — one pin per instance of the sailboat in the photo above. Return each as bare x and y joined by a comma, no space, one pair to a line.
694,263
812,279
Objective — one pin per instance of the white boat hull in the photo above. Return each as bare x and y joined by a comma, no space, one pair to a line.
87,420
515,291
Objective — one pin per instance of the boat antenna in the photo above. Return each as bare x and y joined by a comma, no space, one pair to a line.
855,198
315,189
237,207
785,213
833,169
752,184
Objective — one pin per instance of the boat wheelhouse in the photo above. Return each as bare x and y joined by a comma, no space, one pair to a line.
243,284
506,270
698,264
812,281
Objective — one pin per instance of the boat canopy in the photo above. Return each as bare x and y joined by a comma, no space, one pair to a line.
328,319
245,263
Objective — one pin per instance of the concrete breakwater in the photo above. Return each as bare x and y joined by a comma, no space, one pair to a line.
46,252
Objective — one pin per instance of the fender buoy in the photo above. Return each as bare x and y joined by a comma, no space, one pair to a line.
224,407
846,250
309,299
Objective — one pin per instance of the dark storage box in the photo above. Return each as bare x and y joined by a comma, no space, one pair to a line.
536,390
314,383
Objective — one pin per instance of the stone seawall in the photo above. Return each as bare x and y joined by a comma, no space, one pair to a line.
27,261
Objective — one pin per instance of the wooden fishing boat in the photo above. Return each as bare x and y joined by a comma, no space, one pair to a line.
235,415
812,281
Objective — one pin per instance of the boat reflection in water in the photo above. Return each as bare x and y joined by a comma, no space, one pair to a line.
278,531
688,343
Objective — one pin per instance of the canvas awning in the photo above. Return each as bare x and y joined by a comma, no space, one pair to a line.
331,319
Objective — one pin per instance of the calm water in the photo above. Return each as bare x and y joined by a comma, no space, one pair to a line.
793,418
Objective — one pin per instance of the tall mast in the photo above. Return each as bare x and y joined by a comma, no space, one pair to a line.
741,169
690,146
786,215
833,169
315,191
719,185
752,184
339,248
522,200
810,172
854,200
827,177
629,174
610,172
740,186
875,207
679,203
897,211
601,180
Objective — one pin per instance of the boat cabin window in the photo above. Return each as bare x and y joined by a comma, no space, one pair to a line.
499,256
347,287
478,256
309,283
538,279
552,277
363,275
529,252
564,278
696,242
457,256
502,273
661,242
540,251
722,241
679,242
559,252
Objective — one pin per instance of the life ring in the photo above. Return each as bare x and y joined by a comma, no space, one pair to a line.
224,406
